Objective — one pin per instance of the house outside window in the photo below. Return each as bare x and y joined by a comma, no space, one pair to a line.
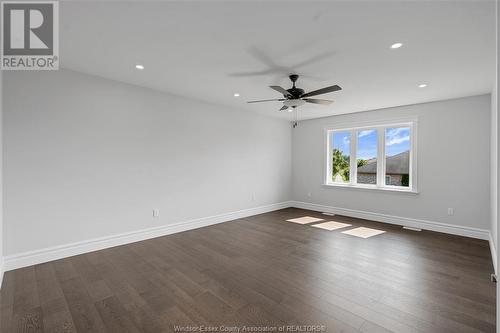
397,170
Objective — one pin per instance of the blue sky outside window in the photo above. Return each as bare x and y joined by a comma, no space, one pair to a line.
367,144
342,141
397,140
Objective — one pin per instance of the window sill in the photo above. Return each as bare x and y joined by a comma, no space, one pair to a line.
372,188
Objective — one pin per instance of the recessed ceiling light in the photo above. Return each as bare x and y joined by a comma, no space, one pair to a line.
423,85
396,45
139,66
236,95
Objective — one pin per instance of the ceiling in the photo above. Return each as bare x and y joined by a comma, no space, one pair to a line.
210,50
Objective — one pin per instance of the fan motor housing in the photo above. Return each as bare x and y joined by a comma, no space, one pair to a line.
296,92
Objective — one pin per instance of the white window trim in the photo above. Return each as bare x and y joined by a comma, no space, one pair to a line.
380,126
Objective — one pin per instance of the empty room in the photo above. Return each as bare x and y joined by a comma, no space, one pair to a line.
249,166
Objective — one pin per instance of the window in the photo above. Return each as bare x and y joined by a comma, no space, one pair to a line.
379,156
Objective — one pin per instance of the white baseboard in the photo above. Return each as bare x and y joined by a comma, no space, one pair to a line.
402,221
62,251
493,250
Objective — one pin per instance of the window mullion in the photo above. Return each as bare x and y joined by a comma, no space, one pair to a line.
380,157
412,159
353,162
328,157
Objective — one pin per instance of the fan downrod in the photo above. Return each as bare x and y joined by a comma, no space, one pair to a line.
294,91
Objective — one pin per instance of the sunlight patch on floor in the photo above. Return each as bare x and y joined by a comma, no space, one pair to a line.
332,225
305,220
363,232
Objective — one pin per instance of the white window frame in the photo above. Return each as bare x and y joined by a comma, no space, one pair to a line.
380,127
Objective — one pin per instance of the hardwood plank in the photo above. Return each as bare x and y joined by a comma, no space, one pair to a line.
7,301
57,317
29,321
83,312
136,307
56,314
47,284
64,269
114,316
27,314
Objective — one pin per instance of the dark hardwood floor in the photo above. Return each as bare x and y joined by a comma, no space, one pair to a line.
262,272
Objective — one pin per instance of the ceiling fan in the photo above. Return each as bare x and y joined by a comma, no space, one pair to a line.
295,97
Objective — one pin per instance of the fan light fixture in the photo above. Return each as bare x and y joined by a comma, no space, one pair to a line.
396,45
294,102
141,67
423,85
236,95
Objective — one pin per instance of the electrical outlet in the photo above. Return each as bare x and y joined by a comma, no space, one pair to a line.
451,211
156,212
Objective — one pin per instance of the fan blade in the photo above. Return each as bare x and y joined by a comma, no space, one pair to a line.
322,91
280,90
313,59
267,100
257,73
318,101
284,107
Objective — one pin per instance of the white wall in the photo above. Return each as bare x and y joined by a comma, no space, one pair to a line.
87,157
453,164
